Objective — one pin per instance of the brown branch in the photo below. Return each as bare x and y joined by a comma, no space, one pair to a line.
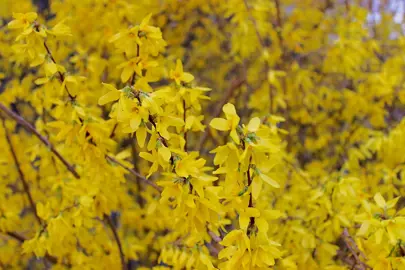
20,173
161,138
347,6
214,237
133,172
61,76
132,81
135,164
31,129
354,250
214,246
21,239
117,240
112,134
47,134
278,10
151,120
16,236
249,177
214,251
217,111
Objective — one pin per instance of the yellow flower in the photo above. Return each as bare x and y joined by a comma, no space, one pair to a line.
135,65
245,215
151,32
60,29
127,41
178,75
230,123
22,20
113,95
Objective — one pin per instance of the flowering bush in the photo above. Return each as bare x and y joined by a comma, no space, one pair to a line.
201,134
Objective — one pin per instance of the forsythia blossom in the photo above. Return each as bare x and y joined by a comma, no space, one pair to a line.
239,134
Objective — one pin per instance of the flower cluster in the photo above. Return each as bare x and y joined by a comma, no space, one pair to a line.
201,134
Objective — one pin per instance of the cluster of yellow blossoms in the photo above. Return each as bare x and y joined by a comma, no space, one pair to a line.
114,156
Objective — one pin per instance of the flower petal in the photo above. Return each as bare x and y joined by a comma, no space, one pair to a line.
269,181
219,124
109,97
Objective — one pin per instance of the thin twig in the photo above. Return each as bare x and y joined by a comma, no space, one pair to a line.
249,178
278,10
351,245
132,171
22,239
135,164
31,129
47,134
347,6
61,76
151,120
20,172
214,237
112,134
117,240
132,81
16,236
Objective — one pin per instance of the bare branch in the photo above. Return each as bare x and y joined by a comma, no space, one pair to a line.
354,250
61,76
21,239
31,129
132,171
117,240
20,173
214,237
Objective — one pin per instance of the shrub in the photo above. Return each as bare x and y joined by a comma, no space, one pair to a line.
201,134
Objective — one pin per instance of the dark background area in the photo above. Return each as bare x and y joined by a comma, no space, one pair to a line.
41,4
